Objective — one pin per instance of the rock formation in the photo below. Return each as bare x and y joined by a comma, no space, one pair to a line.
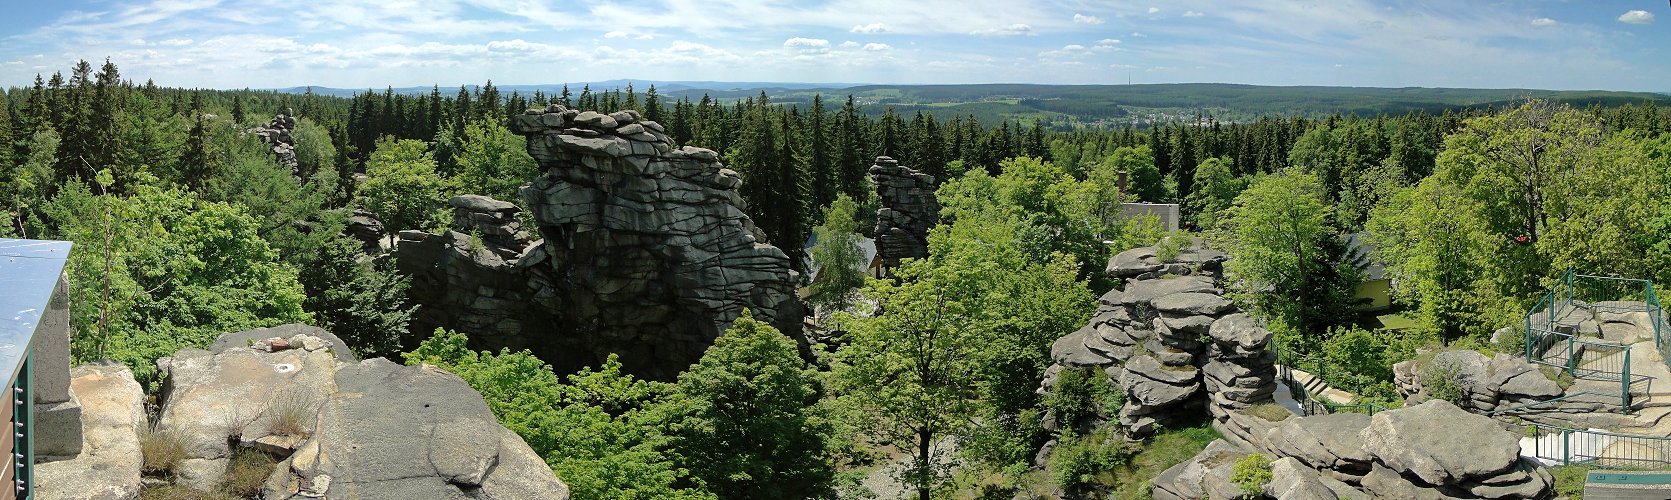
908,211
645,252
1171,342
1431,450
1501,381
365,227
344,429
276,134
113,416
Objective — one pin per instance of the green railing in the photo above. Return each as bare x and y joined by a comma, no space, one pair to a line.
1564,446
1553,336
1320,370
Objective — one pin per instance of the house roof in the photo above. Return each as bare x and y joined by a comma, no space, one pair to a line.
867,247
1375,269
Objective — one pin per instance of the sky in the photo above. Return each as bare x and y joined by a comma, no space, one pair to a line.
1545,44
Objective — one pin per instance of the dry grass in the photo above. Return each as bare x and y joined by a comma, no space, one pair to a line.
162,451
247,473
289,416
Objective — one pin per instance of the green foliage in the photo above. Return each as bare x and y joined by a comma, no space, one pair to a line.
1168,248
1076,461
492,161
746,419
315,153
1442,381
1168,448
1287,257
1515,198
160,270
595,431
1251,474
1142,177
362,301
1216,187
1570,479
840,261
1080,396
401,186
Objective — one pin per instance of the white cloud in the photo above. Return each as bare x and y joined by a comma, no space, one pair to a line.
1544,22
1154,10
870,28
1122,66
1637,17
849,44
615,34
807,43
1136,34
1011,30
1191,13
877,47
1084,19
1067,51
1108,41
175,42
623,34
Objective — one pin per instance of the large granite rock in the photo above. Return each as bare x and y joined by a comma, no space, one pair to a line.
113,416
263,392
406,432
1432,450
646,252
908,211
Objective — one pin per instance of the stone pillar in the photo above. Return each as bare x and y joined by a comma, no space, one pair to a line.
57,412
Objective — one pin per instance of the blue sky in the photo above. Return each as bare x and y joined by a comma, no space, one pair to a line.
1615,45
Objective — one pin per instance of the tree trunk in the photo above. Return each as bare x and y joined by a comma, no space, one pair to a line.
923,449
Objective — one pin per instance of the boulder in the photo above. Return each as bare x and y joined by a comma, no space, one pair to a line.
112,418
395,431
211,400
1328,441
248,338
1440,443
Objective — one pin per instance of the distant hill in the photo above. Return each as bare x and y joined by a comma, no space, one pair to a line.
1070,106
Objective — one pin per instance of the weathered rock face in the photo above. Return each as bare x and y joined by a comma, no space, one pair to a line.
113,415
392,431
365,227
908,211
277,134
1171,342
1503,380
646,252
345,429
246,391
1431,450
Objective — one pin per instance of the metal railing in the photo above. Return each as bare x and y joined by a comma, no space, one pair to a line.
1554,338
1563,446
1320,370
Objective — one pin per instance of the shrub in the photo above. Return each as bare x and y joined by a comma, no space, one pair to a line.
1077,460
1080,394
1251,474
1442,381
1169,247
289,416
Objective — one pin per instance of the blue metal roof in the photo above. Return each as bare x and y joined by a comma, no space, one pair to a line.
29,271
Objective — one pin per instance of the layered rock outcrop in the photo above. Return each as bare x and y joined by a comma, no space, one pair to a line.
1171,342
909,210
277,134
1431,450
1503,380
645,251
113,417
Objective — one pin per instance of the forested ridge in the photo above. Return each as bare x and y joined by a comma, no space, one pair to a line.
187,226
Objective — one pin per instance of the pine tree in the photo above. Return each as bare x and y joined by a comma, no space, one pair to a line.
588,102
820,161
652,105
197,162
852,163
565,97
632,98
